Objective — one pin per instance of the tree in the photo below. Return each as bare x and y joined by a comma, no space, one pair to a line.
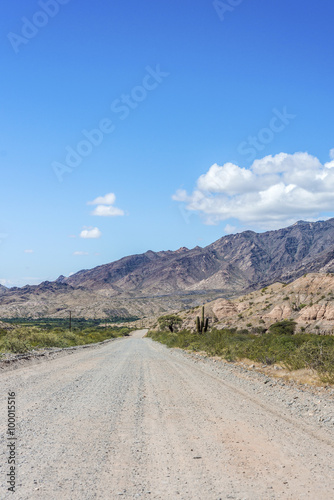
285,327
170,321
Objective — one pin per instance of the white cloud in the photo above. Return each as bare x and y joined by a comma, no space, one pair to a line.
108,199
28,251
107,211
274,191
80,253
90,232
228,229
21,281
104,206
331,154
230,178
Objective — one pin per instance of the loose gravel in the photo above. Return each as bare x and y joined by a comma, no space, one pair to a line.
133,419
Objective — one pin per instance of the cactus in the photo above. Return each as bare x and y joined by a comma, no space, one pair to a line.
198,328
202,321
202,324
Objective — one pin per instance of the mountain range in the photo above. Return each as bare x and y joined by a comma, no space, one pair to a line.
155,282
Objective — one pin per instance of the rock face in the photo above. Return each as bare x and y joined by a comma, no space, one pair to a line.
278,313
309,301
160,281
223,308
318,312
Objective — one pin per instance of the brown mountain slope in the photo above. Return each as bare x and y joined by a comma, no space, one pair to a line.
230,264
154,282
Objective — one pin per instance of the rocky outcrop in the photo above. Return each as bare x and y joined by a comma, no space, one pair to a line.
223,309
318,312
309,301
278,313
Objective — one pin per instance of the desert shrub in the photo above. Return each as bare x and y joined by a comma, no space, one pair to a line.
170,321
24,339
47,339
15,345
258,330
285,327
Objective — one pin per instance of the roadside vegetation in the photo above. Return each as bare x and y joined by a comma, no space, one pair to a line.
278,345
25,338
79,323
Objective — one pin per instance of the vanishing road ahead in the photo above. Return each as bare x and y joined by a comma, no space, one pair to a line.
132,419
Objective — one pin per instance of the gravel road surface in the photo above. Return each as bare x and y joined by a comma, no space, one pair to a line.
132,419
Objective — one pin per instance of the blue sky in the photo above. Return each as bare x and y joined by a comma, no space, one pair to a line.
214,117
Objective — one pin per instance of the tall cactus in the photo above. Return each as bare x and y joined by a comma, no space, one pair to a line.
198,328
202,324
202,321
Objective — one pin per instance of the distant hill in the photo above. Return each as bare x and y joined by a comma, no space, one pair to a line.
155,282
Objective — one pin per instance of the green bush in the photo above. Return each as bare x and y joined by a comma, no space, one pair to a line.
15,345
285,327
170,321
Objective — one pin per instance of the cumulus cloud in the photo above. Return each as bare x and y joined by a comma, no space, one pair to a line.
107,211
230,229
90,232
79,253
108,199
274,191
105,206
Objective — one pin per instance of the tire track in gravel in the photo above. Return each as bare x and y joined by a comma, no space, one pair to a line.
274,411
258,441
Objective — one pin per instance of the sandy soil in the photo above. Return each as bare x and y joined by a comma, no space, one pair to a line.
133,419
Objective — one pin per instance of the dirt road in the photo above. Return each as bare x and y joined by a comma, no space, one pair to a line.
132,419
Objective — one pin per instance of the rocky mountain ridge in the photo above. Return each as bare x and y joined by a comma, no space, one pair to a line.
154,282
